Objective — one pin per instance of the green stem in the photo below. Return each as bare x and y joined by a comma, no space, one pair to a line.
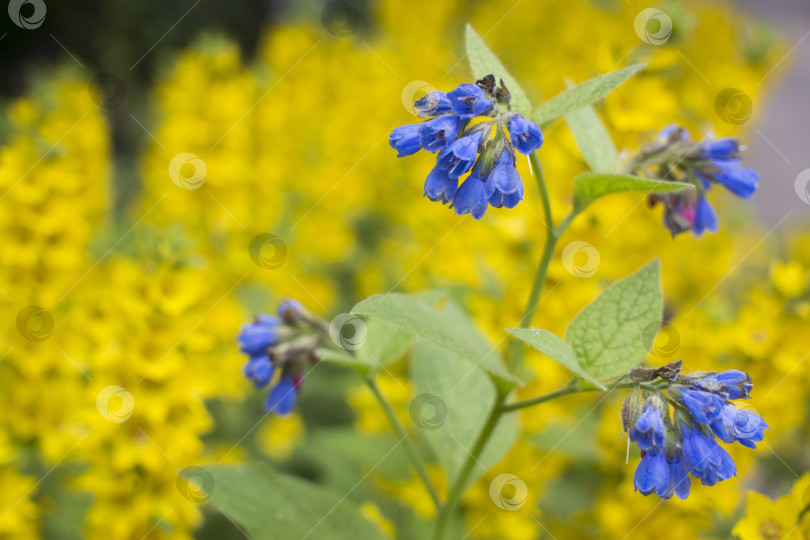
457,488
575,389
410,449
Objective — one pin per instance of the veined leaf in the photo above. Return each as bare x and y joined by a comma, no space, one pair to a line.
590,186
593,140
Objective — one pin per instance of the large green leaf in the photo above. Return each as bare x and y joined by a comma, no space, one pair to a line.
384,343
271,505
608,335
555,348
451,407
448,328
593,140
590,186
581,95
484,62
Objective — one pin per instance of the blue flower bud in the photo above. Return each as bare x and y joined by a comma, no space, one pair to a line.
468,101
705,218
504,180
704,458
432,104
471,198
739,180
259,370
727,148
733,382
739,425
282,397
459,157
439,186
652,474
704,406
435,134
648,432
255,338
405,140
525,134
290,310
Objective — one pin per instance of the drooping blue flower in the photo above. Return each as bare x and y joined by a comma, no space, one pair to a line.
503,184
282,397
259,369
704,217
432,104
471,196
739,425
439,187
405,139
468,101
652,474
526,136
733,382
255,338
435,134
459,156
737,179
679,482
703,406
704,458
648,431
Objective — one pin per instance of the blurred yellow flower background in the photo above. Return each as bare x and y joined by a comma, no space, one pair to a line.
148,299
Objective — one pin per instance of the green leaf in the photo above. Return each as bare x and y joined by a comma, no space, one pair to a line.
581,95
342,358
273,505
384,343
555,348
590,186
593,140
607,336
484,62
448,328
453,401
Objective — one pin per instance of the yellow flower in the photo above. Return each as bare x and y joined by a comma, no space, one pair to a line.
767,519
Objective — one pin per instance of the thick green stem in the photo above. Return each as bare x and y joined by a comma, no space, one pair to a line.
457,489
413,454
574,389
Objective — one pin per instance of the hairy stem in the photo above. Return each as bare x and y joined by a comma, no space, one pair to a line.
574,389
410,449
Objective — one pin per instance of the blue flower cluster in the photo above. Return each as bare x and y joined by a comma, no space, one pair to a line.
684,443
705,163
472,130
277,344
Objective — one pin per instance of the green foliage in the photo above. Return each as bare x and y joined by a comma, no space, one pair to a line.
582,95
593,140
452,404
272,505
590,186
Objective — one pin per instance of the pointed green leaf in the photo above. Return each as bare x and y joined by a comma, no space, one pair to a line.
384,343
593,140
484,62
272,505
453,400
581,95
590,186
607,336
448,328
555,348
